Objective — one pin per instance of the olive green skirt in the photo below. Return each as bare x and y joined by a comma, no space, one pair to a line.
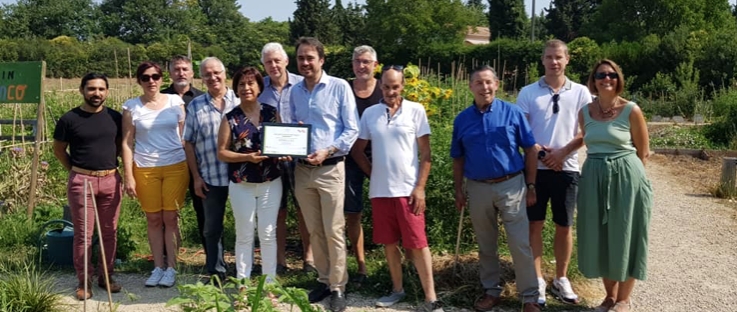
614,209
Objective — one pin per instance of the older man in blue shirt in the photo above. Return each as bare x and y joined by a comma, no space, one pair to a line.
485,150
327,103
277,90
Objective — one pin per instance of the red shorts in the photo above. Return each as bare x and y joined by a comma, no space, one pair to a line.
393,219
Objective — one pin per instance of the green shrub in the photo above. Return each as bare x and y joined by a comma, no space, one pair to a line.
28,290
239,295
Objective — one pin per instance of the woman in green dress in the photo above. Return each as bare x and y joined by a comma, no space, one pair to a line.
615,196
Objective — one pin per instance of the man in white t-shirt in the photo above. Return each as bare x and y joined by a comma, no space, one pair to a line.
551,105
398,131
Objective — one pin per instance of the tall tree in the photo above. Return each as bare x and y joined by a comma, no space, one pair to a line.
402,28
352,23
477,9
146,21
507,18
565,18
51,18
314,18
476,4
634,19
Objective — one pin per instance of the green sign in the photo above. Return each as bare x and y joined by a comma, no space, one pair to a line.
21,82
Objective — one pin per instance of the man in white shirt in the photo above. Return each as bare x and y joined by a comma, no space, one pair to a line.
551,105
398,131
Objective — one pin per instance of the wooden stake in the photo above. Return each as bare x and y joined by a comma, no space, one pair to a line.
729,170
86,233
130,75
37,146
458,240
115,53
102,247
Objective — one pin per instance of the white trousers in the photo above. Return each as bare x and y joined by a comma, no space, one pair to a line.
261,201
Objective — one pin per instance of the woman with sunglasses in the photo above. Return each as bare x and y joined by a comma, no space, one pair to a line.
155,167
255,180
615,196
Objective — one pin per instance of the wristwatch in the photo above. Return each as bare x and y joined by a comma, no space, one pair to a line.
331,151
531,186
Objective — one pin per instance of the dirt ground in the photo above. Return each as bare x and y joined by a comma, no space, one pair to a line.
681,183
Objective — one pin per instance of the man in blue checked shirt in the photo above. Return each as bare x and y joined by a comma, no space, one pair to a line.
326,103
210,175
499,180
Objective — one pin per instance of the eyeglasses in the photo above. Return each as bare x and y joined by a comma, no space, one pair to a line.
147,78
602,75
212,75
388,116
394,67
556,108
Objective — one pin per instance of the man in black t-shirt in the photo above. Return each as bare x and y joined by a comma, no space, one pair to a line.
92,133
182,74
367,91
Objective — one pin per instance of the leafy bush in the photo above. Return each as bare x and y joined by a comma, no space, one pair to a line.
680,137
28,290
238,295
723,131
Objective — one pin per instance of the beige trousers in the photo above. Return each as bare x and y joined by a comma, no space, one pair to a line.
320,192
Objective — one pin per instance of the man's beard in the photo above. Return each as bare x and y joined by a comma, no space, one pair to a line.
181,84
90,102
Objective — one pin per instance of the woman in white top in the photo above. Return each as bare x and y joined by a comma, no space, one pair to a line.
155,166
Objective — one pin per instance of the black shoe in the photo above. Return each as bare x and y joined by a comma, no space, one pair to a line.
281,269
217,280
320,292
337,301
308,267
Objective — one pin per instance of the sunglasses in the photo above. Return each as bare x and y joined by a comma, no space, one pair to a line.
556,108
147,78
600,76
394,67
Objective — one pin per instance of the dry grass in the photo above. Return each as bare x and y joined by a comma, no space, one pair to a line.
461,282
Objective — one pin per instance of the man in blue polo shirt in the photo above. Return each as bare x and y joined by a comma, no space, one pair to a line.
499,180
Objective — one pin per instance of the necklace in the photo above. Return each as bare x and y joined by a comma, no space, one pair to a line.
609,112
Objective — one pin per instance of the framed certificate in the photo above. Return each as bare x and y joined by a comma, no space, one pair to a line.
280,139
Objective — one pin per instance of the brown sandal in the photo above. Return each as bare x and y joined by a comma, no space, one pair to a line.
605,305
621,306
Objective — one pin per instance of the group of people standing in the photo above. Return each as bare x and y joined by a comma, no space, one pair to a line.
211,142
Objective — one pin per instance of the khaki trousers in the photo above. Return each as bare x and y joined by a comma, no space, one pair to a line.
487,202
320,192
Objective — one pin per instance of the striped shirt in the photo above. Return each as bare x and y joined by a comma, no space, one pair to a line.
201,128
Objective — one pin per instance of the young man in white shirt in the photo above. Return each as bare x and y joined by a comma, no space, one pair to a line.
551,105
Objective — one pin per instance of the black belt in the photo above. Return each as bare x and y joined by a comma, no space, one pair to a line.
326,162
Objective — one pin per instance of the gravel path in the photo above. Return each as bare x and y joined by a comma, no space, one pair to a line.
693,249
692,263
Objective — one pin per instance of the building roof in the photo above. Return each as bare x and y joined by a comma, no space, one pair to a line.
477,35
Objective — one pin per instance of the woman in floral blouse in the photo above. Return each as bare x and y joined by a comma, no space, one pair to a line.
255,188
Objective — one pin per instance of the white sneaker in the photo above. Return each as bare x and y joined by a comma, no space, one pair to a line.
562,290
169,278
541,287
155,277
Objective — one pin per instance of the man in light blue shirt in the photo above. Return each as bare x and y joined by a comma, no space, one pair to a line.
277,89
326,103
